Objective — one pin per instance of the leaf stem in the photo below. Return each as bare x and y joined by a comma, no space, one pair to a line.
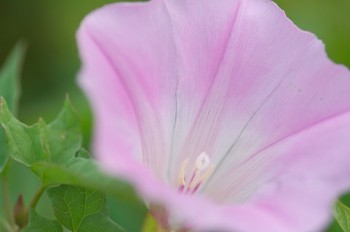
7,199
37,197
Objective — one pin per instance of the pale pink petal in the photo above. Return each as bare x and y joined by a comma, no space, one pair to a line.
312,169
283,83
169,79
126,76
165,72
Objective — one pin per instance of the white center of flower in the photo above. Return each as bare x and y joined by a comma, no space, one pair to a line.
201,172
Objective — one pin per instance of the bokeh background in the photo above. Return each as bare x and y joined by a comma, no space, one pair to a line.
49,26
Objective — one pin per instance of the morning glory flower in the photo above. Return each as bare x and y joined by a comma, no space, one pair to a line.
222,113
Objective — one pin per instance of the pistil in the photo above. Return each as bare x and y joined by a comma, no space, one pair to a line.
202,170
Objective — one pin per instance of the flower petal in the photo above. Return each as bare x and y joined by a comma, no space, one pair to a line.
286,84
170,79
122,73
152,52
313,168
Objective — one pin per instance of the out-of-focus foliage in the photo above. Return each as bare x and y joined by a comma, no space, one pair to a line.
52,152
41,224
9,89
342,214
328,19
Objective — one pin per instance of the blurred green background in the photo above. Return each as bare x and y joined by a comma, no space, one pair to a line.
51,65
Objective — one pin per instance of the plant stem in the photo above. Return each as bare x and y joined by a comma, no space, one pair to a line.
7,199
37,197
4,225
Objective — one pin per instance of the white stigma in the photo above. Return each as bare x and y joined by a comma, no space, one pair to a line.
202,161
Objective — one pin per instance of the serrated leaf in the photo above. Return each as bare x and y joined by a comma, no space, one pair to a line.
9,89
342,214
41,224
56,142
81,210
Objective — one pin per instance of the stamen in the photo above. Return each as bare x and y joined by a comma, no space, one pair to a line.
194,180
208,173
182,174
204,178
201,172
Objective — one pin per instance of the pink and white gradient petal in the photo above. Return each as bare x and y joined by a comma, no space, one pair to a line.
169,79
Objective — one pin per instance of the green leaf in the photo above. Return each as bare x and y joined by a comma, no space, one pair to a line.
83,153
9,89
81,210
41,224
53,152
64,133
85,173
10,75
128,214
56,142
342,214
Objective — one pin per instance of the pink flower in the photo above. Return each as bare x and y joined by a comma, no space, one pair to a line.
222,113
